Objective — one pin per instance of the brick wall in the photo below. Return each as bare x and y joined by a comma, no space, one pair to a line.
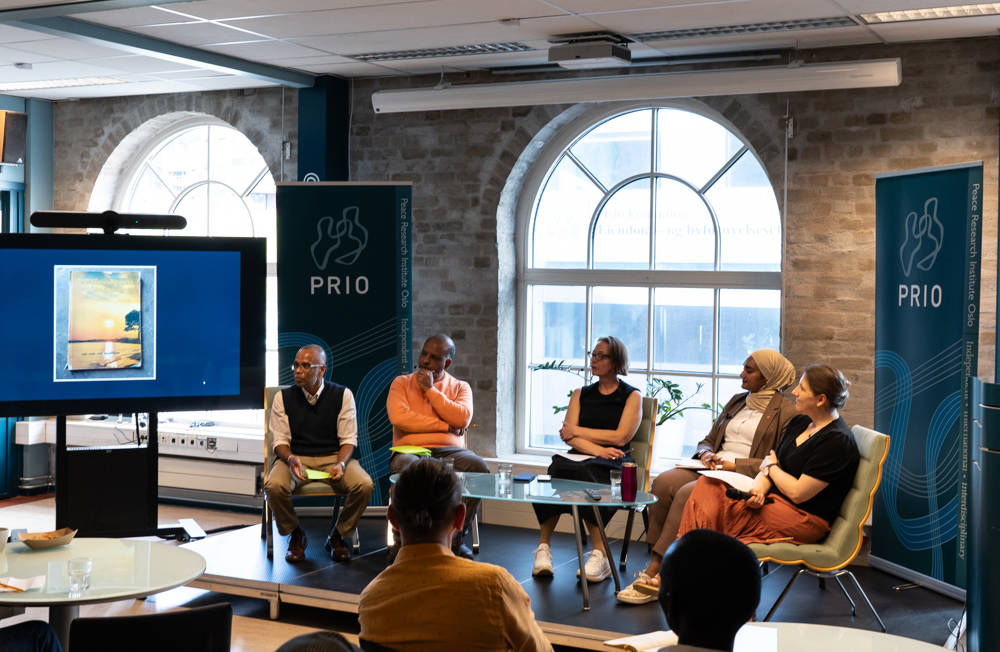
465,166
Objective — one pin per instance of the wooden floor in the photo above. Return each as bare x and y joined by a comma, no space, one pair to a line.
249,634
915,613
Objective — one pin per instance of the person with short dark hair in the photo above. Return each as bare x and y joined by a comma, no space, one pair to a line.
315,427
429,599
695,568
29,636
432,409
602,419
800,487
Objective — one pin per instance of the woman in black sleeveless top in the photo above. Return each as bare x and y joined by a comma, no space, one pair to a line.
601,421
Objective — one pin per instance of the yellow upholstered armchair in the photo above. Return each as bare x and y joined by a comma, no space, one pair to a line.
830,557
314,488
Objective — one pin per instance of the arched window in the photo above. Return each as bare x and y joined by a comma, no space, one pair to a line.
210,173
657,225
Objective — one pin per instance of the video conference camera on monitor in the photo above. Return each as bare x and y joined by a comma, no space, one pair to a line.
110,221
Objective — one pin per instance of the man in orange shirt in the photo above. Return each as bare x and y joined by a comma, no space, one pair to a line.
432,408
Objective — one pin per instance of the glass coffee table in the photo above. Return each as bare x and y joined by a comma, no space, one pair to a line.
571,493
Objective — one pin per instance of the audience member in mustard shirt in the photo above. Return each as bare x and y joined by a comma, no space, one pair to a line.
429,599
432,408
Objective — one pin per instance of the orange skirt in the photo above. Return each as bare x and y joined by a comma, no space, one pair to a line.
709,507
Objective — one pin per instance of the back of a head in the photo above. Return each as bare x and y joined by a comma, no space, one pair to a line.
325,641
709,587
425,497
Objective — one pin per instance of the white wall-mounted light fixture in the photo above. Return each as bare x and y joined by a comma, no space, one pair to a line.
734,81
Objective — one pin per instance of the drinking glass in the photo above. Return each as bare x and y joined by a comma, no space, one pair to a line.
616,484
505,472
79,575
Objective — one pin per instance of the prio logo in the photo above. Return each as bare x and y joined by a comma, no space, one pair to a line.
345,238
923,238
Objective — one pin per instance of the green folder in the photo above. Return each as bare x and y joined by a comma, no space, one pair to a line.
412,450
314,474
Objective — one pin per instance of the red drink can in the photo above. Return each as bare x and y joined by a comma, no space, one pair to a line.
630,477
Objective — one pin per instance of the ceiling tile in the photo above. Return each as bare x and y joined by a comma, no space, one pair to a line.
222,9
356,69
925,30
427,13
66,48
10,34
13,55
132,17
263,50
140,64
196,33
311,61
529,30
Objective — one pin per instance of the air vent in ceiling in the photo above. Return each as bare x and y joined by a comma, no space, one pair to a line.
751,28
451,51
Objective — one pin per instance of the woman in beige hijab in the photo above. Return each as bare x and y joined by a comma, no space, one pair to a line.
748,428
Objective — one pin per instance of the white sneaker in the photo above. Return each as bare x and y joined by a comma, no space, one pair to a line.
630,595
543,561
597,567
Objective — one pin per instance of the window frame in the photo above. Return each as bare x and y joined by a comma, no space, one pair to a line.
253,424
532,190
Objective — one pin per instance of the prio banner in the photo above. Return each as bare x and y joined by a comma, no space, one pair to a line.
928,235
344,283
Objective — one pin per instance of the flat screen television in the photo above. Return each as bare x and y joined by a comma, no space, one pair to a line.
120,323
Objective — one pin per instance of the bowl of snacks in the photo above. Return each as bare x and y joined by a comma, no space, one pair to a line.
39,540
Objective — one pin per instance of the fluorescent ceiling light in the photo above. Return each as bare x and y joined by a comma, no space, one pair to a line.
954,11
733,81
58,83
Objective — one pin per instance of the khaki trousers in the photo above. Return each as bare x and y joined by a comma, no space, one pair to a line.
672,489
355,483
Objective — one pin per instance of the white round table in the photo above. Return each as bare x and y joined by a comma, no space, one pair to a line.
801,637
122,569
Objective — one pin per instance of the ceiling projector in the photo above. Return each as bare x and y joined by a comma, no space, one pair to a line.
591,54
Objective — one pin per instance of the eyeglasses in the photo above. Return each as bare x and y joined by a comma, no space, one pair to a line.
306,366
599,357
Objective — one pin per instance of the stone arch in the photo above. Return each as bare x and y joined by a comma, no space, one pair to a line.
85,147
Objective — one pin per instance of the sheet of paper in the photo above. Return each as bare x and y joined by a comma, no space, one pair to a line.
732,478
643,642
694,465
576,457
36,583
314,474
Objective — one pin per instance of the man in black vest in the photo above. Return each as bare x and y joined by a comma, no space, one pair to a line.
315,427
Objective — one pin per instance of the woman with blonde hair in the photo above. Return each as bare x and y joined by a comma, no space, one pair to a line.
747,429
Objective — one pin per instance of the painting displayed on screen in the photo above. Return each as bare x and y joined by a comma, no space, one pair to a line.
104,322
104,318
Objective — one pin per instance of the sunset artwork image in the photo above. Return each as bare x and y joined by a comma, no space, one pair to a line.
105,320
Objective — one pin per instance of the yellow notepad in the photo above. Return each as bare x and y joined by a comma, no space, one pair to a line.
412,450
314,474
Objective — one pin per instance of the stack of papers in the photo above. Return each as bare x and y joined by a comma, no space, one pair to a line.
17,584
732,478
644,642
412,450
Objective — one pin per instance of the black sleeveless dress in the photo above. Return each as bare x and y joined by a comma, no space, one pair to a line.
599,411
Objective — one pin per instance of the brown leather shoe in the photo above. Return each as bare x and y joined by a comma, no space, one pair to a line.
296,546
337,548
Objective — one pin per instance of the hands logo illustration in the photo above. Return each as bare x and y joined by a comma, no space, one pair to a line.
345,237
923,237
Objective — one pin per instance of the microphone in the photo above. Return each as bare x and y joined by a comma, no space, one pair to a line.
736,494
